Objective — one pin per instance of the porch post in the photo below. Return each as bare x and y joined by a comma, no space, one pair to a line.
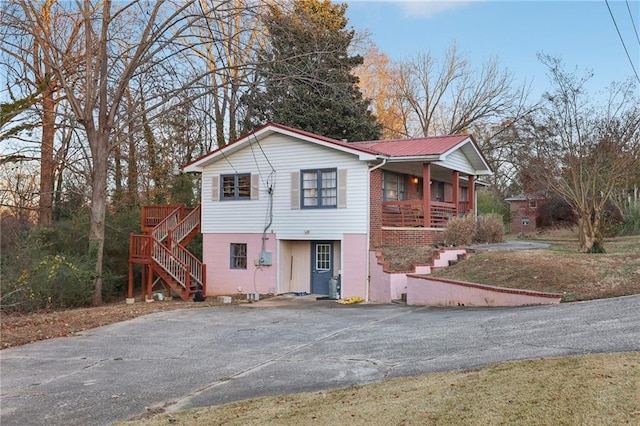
455,183
426,194
472,194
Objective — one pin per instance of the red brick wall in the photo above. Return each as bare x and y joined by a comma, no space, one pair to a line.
375,208
520,210
418,237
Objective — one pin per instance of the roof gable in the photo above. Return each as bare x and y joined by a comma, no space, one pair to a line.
269,129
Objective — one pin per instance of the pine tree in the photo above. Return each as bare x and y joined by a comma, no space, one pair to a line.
305,77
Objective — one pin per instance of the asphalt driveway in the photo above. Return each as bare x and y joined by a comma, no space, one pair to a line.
211,356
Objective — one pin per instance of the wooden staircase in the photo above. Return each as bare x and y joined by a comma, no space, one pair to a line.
162,252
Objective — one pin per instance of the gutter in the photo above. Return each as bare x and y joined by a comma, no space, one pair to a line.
377,166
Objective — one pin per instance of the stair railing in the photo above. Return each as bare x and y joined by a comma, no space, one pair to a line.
186,225
172,265
161,231
194,264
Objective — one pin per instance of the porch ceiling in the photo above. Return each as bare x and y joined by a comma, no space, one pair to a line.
439,173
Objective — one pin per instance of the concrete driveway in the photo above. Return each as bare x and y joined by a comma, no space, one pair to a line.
211,356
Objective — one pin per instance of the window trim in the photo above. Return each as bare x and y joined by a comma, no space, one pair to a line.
234,256
236,196
319,188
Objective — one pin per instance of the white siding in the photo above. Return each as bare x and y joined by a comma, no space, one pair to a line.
458,161
287,155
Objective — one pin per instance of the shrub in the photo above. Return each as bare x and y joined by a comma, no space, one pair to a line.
556,213
459,231
55,282
631,225
489,229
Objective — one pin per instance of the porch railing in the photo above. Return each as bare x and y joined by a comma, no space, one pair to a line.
153,215
410,213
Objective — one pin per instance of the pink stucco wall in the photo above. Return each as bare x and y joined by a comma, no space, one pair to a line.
426,290
221,279
354,265
384,287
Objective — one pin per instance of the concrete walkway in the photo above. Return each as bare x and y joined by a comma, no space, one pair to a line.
210,356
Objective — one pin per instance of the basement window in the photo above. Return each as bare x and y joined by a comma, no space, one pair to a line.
238,256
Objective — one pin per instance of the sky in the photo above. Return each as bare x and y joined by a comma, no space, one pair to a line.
581,33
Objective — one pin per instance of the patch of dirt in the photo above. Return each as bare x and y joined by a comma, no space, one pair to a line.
18,329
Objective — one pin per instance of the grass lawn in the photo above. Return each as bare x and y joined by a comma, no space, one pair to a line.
586,390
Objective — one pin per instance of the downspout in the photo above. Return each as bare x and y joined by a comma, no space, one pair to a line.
377,166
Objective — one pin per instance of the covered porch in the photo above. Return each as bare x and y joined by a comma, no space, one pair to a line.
428,195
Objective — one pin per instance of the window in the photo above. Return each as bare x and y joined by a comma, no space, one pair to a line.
464,193
440,191
533,204
525,221
238,256
236,187
319,188
393,187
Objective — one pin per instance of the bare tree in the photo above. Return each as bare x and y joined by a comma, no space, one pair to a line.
447,96
584,152
94,50
23,55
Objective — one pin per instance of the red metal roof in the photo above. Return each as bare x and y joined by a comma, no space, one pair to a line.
413,147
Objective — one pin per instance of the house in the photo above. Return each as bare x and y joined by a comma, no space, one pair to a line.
284,210
524,211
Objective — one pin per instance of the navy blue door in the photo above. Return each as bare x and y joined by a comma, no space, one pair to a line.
321,266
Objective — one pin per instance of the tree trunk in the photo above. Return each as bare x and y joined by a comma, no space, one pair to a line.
588,226
45,206
98,208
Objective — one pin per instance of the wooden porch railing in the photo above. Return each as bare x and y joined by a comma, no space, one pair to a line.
153,215
140,248
410,213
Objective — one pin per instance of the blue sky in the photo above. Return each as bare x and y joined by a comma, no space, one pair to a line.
582,33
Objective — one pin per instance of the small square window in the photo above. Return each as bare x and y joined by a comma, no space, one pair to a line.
533,204
238,256
525,221
236,187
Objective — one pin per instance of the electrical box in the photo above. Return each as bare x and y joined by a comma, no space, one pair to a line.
266,258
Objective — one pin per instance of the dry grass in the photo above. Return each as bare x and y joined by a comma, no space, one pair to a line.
404,258
586,390
559,269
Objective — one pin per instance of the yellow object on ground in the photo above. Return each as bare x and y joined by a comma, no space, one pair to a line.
351,300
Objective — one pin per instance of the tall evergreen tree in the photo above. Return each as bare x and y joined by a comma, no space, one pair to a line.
305,79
